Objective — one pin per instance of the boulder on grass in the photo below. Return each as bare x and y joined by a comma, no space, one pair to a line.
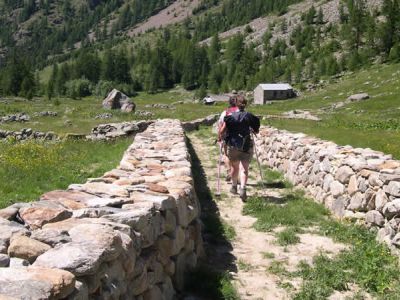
358,97
118,100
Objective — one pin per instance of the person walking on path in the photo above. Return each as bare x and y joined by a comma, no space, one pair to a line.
237,129
222,143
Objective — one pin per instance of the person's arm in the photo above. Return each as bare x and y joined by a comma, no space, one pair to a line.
221,131
221,119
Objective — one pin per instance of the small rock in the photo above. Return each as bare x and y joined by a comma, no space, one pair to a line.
393,188
336,188
380,200
396,240
16,262
375,218
8,213
343,174
392,208
157,188
358,97
353,186
4,260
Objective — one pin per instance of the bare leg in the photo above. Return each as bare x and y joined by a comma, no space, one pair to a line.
244,173
235,172
227,165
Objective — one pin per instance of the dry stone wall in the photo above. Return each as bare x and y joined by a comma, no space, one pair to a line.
351,182
115,130
27,134
130,234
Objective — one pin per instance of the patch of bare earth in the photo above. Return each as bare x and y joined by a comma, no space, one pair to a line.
175,13
255,252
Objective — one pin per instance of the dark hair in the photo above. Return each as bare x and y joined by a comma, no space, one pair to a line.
241,102
232,101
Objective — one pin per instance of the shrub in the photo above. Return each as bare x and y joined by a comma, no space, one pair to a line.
78,88
394,54
103,87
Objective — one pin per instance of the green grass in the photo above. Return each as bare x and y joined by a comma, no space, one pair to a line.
244,266
277,268
270,215
365,263
373,123
288,236
31,168
268,255
272,178
81,113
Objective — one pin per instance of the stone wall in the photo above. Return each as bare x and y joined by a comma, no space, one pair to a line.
27,134
115,130
195,124
130,234
352,182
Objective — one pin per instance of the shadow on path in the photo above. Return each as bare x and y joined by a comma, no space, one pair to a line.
207,281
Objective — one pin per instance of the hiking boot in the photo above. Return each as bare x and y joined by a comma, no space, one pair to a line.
233,189
243,194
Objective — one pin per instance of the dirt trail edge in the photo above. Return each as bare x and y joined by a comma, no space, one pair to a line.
256,253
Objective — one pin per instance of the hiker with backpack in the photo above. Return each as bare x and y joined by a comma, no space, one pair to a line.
237,129
227,112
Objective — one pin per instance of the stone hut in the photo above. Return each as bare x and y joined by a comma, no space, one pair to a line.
276,91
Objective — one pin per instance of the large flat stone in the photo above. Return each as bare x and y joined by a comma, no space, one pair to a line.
99,188
161,202
26,248
61,196
36,283
36,217
83,258
51,237
104,237
146,221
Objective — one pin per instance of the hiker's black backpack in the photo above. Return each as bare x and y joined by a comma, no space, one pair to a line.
239,125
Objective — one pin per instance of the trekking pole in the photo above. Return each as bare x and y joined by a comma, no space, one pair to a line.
218,193
258,161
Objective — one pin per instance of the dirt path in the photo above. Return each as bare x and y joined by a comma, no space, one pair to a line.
257,253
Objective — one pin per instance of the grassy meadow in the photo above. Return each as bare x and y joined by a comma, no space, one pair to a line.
78,116
372,123
31,168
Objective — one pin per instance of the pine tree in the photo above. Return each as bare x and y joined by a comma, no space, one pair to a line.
214,50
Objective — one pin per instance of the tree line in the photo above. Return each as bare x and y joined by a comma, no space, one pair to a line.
313,50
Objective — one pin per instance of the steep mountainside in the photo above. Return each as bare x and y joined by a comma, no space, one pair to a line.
215,45
48,27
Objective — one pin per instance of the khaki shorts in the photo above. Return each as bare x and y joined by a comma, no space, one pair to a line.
235,155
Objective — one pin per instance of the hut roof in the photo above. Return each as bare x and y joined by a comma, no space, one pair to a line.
276,86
